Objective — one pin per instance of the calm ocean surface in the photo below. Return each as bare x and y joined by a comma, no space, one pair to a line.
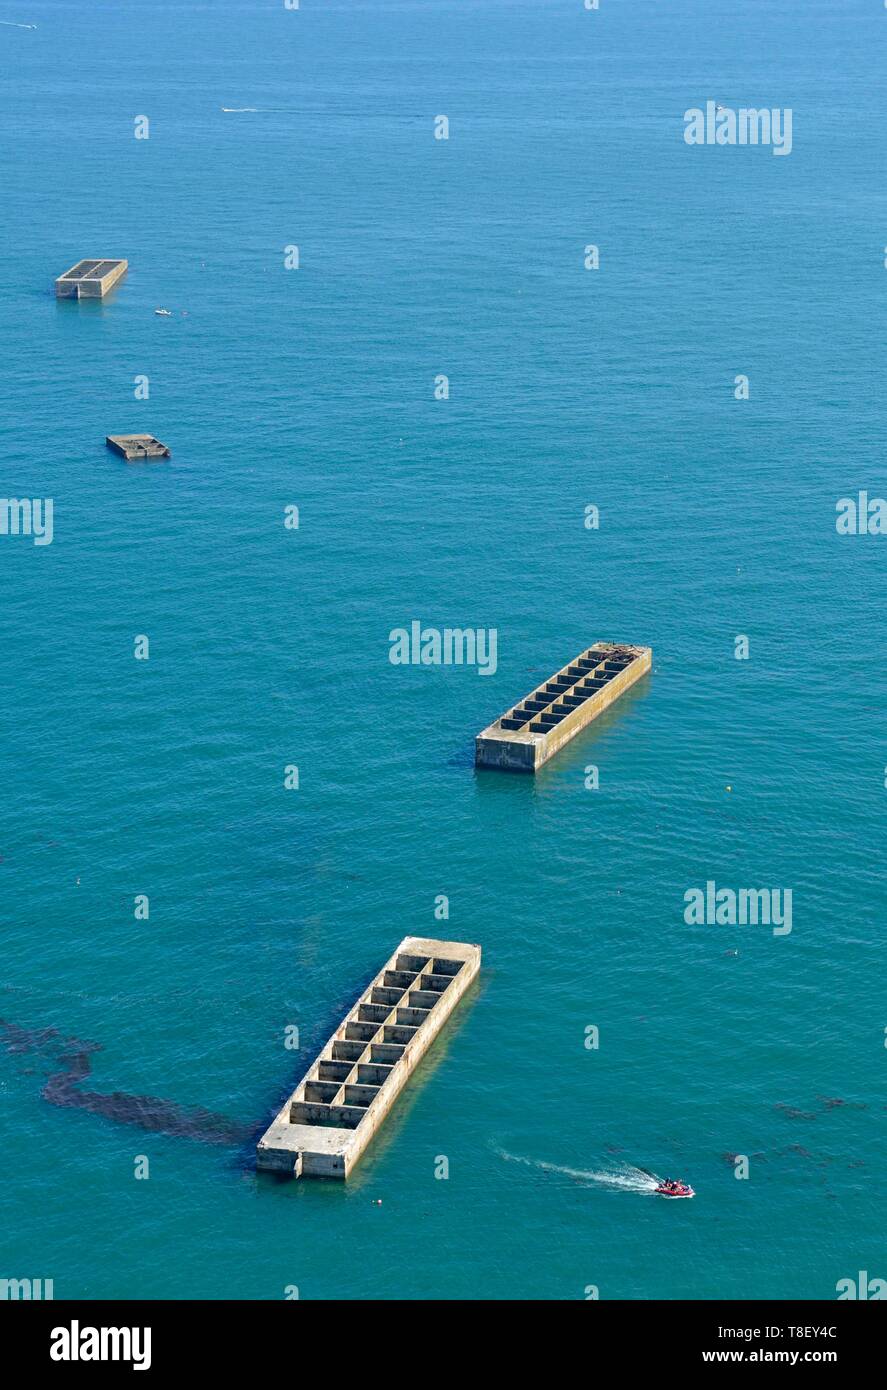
268,647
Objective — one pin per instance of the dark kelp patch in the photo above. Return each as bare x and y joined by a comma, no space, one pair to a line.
71,1057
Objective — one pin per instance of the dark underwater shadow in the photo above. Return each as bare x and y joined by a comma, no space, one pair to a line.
70,1059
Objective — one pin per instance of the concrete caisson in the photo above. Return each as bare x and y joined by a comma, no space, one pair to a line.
527,735
90,279
345,1095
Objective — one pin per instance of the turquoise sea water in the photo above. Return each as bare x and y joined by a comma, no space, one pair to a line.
269,647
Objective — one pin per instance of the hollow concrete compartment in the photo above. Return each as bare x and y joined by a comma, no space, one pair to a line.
533,730
349,1089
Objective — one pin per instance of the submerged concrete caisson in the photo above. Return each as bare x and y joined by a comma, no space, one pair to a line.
527,735
137,446
345,1095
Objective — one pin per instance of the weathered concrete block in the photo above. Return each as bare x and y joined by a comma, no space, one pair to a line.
527,735
344,1097
137,446
89,279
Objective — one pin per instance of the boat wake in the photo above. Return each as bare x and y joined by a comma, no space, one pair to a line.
240,110
626,1178
11,24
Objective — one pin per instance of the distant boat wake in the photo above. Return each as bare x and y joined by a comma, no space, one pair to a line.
240,110
11,24
627,1178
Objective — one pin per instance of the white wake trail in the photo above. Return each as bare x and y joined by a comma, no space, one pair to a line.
627,1178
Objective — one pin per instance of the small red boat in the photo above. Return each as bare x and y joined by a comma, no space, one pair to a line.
670,1188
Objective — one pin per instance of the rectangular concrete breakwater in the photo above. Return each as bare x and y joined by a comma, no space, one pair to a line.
137,446
346,1094
90,279
527,735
